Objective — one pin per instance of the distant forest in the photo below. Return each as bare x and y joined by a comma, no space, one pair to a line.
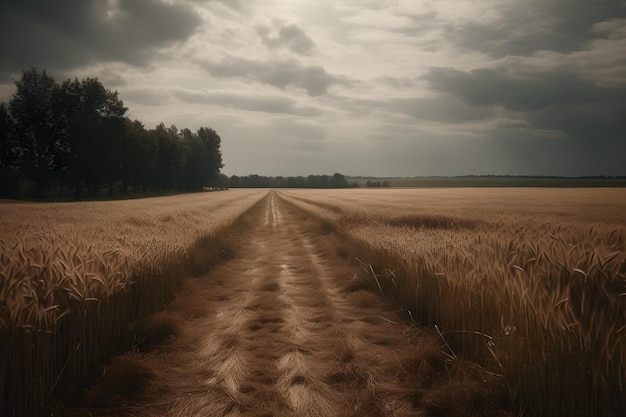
312,181
74,138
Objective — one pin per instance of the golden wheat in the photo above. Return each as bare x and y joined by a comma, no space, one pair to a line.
75,278
532,282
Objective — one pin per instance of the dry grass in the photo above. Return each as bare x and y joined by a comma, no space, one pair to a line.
77,278
124,380
530,282
159,328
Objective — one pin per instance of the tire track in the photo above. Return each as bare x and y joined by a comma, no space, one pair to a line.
283,330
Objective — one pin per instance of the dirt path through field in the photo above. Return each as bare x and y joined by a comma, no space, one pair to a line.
283,330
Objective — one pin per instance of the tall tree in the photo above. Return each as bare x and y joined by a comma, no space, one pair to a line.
76,133
95,118
170,160
212,155
138,155
193,177
37,130
9,153
204,158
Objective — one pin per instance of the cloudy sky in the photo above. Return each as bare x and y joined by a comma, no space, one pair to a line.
367,87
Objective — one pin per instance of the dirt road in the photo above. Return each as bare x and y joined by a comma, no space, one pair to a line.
284,329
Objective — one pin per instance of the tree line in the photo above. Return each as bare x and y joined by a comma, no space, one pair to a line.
75,135
312,181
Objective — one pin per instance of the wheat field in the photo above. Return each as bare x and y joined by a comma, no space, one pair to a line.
529,282
75,278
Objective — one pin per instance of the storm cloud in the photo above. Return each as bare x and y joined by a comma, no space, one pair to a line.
556,101
72,33
384,88
526,27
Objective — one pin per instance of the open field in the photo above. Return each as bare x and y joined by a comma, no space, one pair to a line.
74,278
287,328
493,181
531,282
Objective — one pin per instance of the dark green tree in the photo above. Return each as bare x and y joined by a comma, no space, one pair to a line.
203,158
95,130
170,159
234,181
9,154
338,181
137,157
222,181
280,181
195,167
37,129
212,154
76,133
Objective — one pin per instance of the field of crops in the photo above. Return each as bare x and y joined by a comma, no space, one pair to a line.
75,278
530,282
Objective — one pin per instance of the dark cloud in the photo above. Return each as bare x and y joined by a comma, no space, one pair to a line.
501,151
62,35
267,104
530,26
547,94
530,91
287,36
312,78
578,117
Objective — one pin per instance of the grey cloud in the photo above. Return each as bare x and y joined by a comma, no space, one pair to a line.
314,79
508,123
280,146
536,25
302,135
55,36
434,154
287,36
422,24
535,91
267,104
446,108
146,96
549,153
231,4
396,82
502,151
584,118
